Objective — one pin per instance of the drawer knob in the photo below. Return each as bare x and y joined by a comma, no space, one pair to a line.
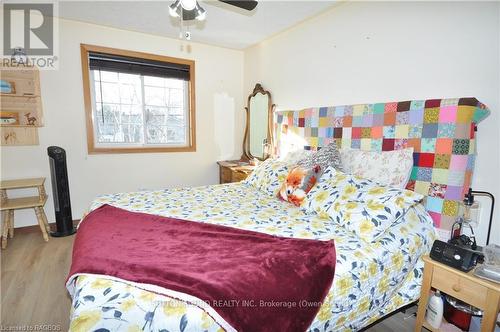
456,288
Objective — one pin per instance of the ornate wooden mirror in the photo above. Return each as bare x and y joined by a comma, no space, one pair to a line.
258,138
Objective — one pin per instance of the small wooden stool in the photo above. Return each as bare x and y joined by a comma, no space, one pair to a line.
10,204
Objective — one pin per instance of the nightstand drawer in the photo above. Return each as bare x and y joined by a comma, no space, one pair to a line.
238,176
234,170
225,175
460,287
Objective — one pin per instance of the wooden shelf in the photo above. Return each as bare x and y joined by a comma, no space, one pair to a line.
18,96
22,110
429,327
18,126
15,136
23,203
22,183
9,205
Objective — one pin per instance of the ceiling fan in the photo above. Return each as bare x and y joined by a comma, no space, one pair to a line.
191,10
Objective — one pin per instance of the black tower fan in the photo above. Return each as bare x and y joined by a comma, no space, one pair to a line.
60,190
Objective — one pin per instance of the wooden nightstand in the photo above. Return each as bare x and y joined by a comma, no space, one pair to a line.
475,291
234,171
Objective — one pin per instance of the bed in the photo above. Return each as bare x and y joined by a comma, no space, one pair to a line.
371,280
367,279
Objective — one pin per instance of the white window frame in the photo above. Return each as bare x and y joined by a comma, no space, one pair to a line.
145,144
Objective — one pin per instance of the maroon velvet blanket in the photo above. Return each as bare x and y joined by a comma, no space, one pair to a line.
254,281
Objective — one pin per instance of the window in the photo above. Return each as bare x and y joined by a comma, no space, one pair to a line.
137,102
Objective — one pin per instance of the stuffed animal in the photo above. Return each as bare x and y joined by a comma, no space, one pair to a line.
298,183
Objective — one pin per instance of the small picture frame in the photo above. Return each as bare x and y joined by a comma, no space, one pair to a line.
7,87
9,118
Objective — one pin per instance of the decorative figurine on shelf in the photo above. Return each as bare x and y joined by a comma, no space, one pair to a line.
31,119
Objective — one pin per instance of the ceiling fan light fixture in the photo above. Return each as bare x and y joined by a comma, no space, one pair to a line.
201,14
189,4
175,9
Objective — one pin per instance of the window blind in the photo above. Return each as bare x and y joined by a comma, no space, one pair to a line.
131,65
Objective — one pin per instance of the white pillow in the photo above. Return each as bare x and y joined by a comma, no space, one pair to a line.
293,157
390,168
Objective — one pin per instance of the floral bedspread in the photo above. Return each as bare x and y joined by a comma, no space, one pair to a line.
371,280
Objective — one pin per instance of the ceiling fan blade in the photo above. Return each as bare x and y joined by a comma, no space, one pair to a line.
244,4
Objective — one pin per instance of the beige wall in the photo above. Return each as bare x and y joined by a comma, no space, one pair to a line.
361,52
219,79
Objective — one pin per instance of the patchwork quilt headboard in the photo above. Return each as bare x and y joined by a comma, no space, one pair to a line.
441,131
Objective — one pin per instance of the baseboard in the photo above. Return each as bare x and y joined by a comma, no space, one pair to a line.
36,228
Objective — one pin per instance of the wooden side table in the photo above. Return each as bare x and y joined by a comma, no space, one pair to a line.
234,171
9,205
466,287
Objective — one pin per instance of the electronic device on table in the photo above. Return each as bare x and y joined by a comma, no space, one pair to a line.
455,256
461,251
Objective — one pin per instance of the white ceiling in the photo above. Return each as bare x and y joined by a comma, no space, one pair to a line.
225,25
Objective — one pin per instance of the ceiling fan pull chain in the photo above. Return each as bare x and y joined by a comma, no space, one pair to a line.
180,25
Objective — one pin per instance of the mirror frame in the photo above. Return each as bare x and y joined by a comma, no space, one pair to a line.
270,109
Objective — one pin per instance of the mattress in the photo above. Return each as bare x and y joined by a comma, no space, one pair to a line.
371,280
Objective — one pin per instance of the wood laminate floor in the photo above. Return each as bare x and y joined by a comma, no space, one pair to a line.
32,289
